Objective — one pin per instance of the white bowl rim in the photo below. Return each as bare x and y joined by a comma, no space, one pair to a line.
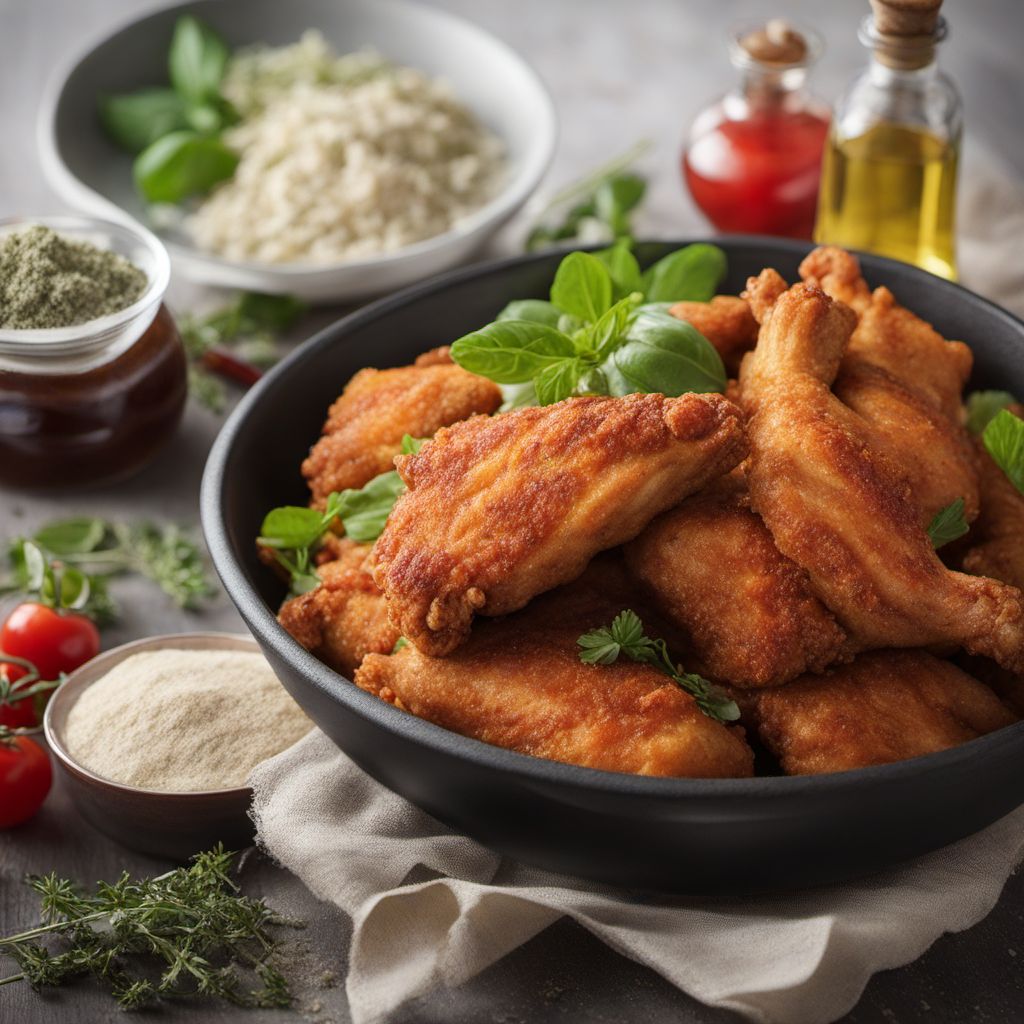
513,194
107,660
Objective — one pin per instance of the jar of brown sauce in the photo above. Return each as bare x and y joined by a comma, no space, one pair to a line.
93,402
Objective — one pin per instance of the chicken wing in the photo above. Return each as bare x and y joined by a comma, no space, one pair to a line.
726,321
518,683
346,617
886,706
744,610
906,381
364,428
503,508
997,538
838,507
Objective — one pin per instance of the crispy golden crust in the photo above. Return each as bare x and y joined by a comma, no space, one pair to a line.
346,617
838,507
997,538
518,683
745,611
1007,686
500,509
364,428
837,273
886,706
726,321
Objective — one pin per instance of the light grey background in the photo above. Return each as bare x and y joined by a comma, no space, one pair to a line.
619,71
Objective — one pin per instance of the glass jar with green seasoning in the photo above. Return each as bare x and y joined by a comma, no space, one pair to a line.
85,403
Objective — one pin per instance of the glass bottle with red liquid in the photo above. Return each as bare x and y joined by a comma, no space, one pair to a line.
753,158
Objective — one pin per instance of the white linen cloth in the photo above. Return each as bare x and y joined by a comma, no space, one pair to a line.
792,959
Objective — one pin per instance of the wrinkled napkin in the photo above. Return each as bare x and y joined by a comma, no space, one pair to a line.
793,959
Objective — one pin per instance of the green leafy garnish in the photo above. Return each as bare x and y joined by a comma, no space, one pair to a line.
1004,440
982,407
597,207
365,511
596,335
175,132
248,326
186,933
626,637
949,524
86,552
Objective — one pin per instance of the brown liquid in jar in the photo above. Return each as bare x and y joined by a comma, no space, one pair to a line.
61,430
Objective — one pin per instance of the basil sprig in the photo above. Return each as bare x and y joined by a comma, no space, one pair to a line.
175,132
605,330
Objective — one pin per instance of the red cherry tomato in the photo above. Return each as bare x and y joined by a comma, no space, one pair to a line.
53,641
25,778
22,713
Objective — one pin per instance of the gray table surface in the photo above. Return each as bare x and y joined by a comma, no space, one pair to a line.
618,72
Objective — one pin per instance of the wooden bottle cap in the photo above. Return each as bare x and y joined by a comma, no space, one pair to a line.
776,43
906,31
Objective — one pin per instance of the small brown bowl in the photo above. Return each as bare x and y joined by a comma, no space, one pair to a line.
162,824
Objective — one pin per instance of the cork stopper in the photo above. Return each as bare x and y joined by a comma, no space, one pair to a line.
905,31
776,43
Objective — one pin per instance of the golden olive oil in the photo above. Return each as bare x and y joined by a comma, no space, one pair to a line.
891,191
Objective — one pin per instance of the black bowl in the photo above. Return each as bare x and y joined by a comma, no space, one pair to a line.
674,835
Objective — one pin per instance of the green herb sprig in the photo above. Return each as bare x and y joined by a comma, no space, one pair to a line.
983,406
187,933
948,524
248,326
91,550
1003,438
604,331
175,131
625,637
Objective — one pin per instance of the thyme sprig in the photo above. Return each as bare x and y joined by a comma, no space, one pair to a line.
189,932
625,636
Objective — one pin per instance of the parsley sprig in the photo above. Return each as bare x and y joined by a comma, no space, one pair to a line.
188,932
626,637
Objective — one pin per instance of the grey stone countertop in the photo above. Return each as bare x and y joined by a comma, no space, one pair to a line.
618,72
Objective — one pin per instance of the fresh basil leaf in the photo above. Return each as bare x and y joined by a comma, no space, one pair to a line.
291,526
664,355
518,396
690,274
182,164
582,286
601,338
197,60
623,267
535,310
136,120
511,351
593,382
71,536
364,512
569,324
949,524
616,197
982,407
557,381
1004,439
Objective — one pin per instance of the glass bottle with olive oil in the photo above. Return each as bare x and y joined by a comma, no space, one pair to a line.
889,173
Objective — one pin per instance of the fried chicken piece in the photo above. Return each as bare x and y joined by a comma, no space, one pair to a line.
998,536
346,617
906,381
518,683
726,321
745,611
838,507
886,706
364,428
503,508
1009,687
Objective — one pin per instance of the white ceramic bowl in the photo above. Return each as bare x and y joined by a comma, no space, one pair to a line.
90,173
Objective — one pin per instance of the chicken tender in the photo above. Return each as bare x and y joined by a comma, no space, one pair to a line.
838,507
365,426
518,683
726,321
886,706
501,509
744,610
346,617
